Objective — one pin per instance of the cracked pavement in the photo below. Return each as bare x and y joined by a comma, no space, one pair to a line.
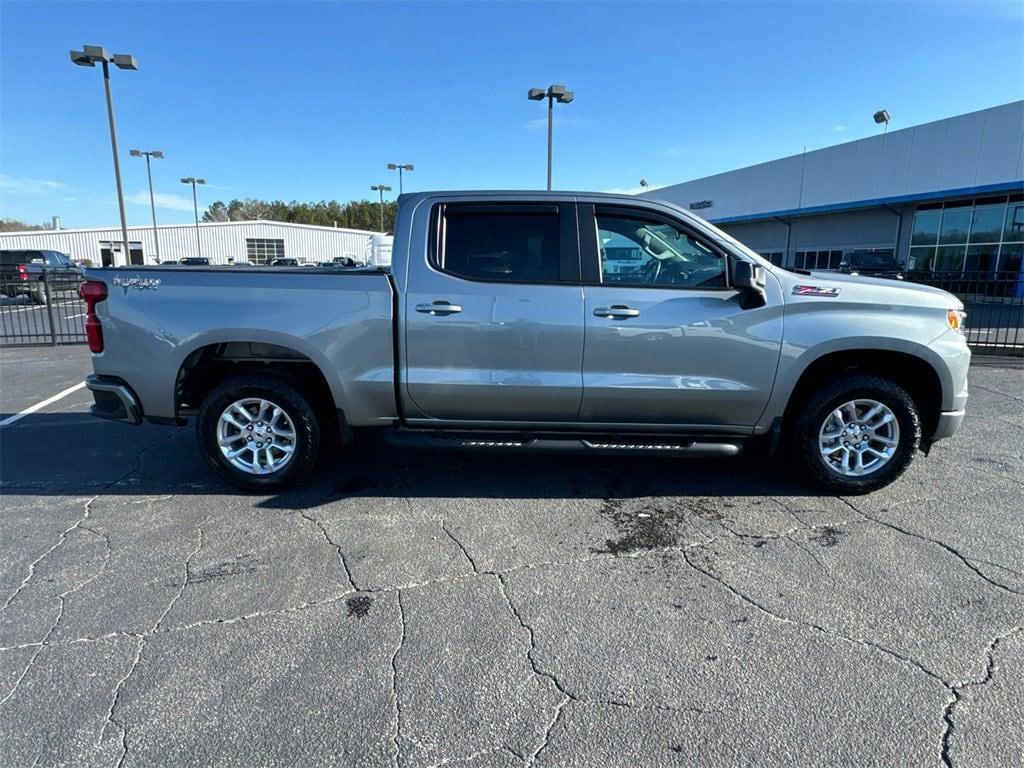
436,609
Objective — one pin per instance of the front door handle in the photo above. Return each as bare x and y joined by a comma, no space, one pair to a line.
439,308
617,310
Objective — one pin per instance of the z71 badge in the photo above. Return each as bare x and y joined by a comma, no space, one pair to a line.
815,290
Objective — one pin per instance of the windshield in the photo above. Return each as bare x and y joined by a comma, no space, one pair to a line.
872,260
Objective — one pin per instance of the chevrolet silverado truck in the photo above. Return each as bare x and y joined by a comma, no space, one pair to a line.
529,321
37,274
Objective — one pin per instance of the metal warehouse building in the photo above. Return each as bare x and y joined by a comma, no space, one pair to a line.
223,243
946,196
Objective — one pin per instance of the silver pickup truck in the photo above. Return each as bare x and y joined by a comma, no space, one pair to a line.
528,321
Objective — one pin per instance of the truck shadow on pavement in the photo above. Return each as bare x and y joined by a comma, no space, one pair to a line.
74,454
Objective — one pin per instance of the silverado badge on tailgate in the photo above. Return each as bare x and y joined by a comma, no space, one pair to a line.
142,283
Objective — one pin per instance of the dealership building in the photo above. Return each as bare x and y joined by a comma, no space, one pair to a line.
230,242
946,196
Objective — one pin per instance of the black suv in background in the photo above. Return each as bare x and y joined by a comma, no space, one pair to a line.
877,263
21,273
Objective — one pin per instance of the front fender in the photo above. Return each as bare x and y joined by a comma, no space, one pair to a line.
812,336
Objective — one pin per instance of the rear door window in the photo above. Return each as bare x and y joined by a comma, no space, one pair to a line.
500,243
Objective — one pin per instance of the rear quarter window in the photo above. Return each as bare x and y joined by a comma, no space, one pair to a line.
10,258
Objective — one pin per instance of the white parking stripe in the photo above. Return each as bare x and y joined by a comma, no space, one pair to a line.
38,406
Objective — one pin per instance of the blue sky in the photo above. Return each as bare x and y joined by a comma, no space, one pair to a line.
309,101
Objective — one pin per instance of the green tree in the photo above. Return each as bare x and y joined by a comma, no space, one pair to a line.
216,212
14,225
355,214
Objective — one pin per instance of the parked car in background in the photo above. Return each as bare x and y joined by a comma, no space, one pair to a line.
347,260
22,273
499,327
194,261
873,263
285,262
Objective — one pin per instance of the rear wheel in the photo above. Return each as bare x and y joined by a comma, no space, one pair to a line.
856,435
258,432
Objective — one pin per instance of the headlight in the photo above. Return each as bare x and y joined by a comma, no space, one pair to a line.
956,319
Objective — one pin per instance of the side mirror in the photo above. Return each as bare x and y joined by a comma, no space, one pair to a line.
749,279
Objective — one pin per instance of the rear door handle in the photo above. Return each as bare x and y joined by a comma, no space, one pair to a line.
617,310
439,308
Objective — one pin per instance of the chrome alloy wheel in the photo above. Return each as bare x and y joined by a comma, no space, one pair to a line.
256,436
859,437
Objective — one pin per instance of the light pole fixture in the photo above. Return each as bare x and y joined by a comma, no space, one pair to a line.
195,205
644,184
882,116
382,188
399,167
90,56
552,94
159,155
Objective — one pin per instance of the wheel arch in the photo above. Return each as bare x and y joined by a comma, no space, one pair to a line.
208,360
914,371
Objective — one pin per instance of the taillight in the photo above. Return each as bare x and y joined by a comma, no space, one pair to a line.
22,272
93,292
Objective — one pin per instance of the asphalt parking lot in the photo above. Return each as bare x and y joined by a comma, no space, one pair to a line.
425,609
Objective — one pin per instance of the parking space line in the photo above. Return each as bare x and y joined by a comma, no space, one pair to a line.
38,406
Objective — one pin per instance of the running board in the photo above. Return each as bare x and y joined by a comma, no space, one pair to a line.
694,447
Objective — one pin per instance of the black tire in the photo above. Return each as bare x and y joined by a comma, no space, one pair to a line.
279,392
804,439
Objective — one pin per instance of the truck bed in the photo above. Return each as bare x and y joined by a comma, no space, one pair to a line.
155,318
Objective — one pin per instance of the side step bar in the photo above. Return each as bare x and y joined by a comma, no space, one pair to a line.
694,447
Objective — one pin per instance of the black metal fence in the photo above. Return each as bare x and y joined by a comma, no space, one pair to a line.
41,309
994,302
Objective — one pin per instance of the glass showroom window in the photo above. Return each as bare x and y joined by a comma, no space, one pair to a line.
818,260
973,236
1012,249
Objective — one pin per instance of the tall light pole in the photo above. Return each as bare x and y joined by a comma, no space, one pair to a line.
553,93
195,205
159,155
399,167
382,188
90,56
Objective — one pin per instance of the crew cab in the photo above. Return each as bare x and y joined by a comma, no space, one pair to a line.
527,321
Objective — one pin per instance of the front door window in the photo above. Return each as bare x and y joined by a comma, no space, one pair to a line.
639,252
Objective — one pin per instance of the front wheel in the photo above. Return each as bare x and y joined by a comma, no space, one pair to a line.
856,435
258,432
